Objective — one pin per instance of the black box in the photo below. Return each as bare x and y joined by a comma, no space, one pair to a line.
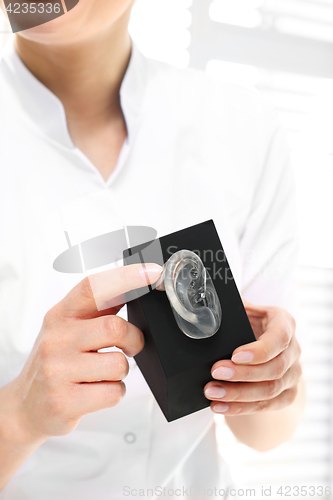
175,366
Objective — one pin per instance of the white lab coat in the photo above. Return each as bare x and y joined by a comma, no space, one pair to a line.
201,150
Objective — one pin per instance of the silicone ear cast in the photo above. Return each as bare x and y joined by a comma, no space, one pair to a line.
192,295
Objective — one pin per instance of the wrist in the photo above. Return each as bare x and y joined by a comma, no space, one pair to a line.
15,427
17,440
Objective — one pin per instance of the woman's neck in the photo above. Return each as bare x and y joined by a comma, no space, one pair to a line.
85,76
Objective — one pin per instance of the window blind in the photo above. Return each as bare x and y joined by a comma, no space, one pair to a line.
284,49
306,460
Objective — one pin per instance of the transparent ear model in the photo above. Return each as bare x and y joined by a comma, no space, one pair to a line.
192,295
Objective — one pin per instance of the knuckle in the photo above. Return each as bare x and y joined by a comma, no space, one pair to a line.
265,351
57,403
261,406
272,389
124,274
50,318
245,372
293,322
117,327
47,372
51,371
285,338
290,395
45,349
141,342
86,286
118,392
123,366
237,409
281,366
299,370
232,395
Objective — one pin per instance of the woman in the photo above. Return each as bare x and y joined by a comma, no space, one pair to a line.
83,110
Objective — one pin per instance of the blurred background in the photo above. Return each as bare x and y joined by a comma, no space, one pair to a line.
284,49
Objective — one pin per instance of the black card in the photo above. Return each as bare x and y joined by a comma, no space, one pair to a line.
175,366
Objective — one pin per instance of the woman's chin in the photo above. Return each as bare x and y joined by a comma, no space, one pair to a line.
57,31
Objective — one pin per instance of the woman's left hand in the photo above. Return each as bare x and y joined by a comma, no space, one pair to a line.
262,375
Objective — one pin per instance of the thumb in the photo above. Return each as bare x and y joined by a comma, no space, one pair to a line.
107,287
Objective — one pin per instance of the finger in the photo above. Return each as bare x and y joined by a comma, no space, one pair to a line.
101,287
253,391
279,329
97,396
284,399
274,369
97,366
109,331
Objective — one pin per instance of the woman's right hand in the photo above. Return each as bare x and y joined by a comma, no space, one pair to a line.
65,376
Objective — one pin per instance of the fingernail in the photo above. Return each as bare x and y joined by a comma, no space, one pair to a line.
215,392
243,357
221,408
160,282
151,271
223,373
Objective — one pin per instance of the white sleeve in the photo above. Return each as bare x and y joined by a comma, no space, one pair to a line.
269,244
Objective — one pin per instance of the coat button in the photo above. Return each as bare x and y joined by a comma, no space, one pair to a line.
130,438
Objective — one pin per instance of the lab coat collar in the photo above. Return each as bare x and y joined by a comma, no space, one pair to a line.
47,111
